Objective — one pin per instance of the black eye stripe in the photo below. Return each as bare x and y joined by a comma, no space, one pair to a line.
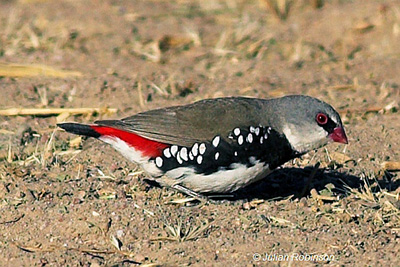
329,126
325,122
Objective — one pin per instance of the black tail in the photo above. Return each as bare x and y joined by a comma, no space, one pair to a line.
81,129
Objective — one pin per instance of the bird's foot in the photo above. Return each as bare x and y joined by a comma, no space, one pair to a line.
214,199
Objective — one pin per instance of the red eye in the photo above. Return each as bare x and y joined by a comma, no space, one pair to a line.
322,119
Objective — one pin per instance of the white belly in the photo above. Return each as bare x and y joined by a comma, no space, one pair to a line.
223,181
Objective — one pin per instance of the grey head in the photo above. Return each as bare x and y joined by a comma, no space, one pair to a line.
308,123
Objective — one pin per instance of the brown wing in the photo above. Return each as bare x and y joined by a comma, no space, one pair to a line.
197,122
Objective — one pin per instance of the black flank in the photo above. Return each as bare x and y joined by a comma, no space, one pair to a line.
273,150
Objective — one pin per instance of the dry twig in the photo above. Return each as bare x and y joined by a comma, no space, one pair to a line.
391,165
22,70
54,111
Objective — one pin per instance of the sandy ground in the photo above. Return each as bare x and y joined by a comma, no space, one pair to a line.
66,201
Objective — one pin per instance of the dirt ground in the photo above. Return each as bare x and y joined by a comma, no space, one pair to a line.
71,202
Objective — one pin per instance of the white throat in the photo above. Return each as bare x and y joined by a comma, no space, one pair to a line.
306,140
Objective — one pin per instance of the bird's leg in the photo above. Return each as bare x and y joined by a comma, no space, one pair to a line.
200,197
191,193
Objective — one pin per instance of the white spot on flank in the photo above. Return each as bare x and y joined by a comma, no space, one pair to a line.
269,130
261,140
191,157
252,129
183,153
159,162
249,138
195,149
178,158
216,156
167,153
199,159
236,131
174,149
265,136
235,153
240,140
216,140
202,148
257,131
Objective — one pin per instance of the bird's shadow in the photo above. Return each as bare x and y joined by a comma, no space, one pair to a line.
298,182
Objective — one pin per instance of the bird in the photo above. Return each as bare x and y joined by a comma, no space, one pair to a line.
219,145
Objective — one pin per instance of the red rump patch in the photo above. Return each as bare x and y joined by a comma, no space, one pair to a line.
147,147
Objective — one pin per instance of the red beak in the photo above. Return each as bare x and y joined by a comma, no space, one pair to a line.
338,135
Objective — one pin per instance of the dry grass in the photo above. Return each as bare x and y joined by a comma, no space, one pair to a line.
20,70
385,211
280,8
183,231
